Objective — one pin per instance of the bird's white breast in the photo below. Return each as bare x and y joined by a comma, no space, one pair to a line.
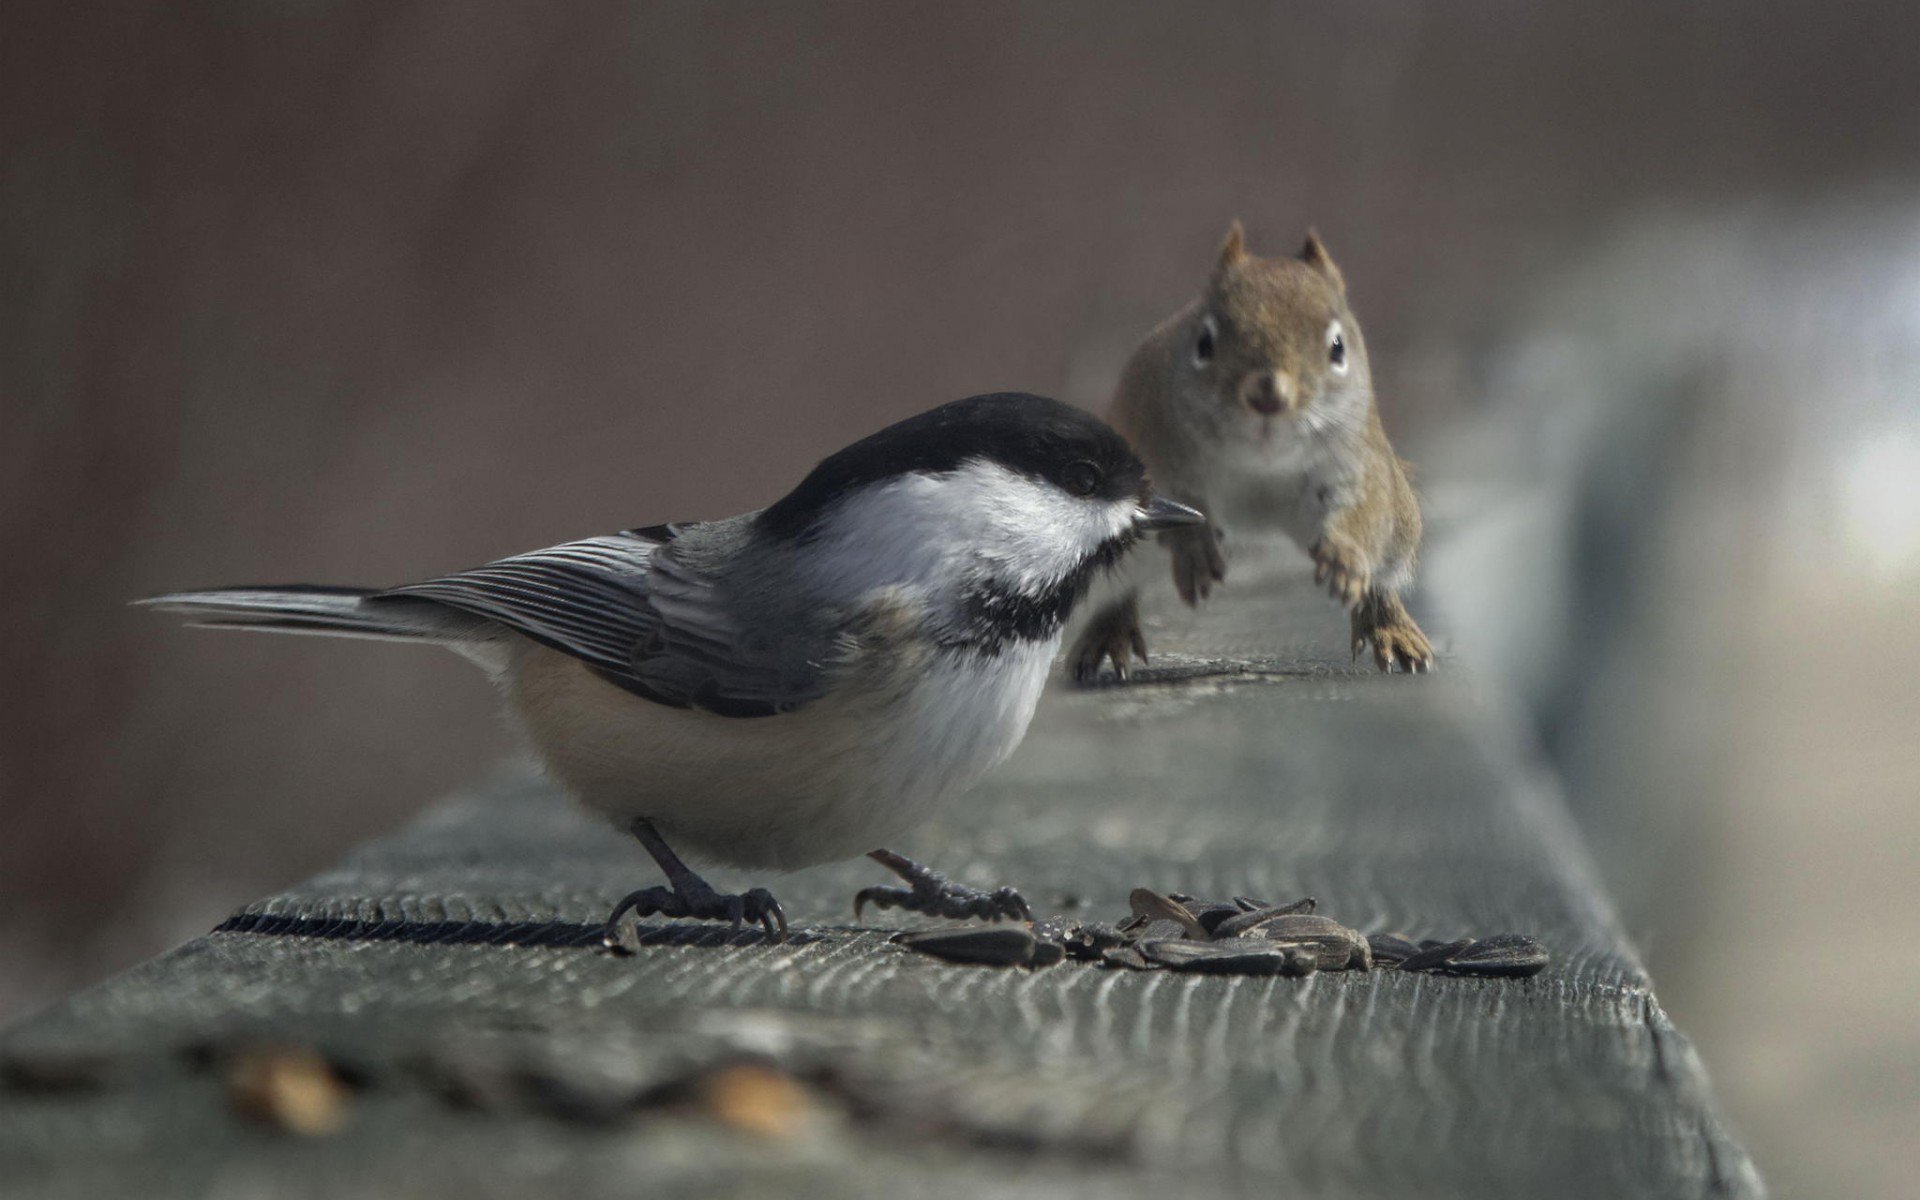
841,776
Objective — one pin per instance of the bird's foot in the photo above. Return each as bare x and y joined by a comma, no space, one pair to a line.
930,892
1114,633
695,899
689,895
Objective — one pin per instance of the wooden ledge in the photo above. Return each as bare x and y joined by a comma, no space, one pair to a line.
450,973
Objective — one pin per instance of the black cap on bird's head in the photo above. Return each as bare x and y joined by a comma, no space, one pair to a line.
1030,435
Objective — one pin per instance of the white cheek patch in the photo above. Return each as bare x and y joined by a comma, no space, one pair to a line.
940,531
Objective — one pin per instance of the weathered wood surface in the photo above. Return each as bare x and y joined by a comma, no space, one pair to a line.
1256,762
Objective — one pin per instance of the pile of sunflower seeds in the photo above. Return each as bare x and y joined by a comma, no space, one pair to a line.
1241,936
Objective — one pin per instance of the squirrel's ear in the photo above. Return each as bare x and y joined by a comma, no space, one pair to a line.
1315,255
1233,249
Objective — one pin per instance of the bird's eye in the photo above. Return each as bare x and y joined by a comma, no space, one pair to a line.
1081,478
1337,348
1203,345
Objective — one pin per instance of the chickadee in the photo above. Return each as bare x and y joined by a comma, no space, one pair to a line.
798,684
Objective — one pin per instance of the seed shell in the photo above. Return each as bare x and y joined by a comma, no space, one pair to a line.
990,945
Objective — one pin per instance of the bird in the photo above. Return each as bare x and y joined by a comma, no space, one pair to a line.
795,685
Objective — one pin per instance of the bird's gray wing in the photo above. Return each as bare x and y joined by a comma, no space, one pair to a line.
647,617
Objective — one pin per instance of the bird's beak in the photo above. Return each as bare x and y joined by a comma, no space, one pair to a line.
1162,513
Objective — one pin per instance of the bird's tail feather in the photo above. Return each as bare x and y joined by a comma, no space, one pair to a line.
327,611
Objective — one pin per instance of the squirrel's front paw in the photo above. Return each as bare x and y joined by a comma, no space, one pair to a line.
1396,640
1199,562
1114,633
1342,568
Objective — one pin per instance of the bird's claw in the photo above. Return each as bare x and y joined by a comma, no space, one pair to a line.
700,904
930,892
954,900
1114,633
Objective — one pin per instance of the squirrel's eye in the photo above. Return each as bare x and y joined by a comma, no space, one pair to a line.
1337,348
1081,478
1203,345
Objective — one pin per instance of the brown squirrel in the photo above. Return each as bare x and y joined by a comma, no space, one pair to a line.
1255,405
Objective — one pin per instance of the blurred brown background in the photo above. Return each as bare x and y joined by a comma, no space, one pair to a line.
357,292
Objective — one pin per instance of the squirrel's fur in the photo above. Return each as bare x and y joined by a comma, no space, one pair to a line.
1243,407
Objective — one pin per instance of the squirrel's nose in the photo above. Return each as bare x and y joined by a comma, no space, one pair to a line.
1270,393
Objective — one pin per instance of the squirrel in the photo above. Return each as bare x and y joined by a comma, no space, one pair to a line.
1255,405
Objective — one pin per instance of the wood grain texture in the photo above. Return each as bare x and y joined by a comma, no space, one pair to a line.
1247,761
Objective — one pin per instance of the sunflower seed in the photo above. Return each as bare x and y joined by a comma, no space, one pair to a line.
1156,908
1217,958
1240,925
1162,931
1301,961
990,945
1212,915
1503,954
1390,949
1434,955
1335,946
1047,954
